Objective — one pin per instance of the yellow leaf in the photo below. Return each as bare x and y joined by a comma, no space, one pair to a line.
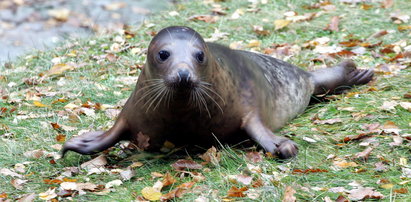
387,186
279,24
59,69
254,43
39,104
151,194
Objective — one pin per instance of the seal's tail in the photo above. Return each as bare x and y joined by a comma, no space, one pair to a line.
95,141
341,77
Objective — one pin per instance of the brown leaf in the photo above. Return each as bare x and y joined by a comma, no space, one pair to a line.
312,170
289,195
211,156
143,141
279,24
387,3
364,154
97,162
254,157
36,154
401,191
237,192
379,166
168,179
27,198
328,121
61,138
204,18
18,183
52,181
364,193
186,164
333,26
341,199
259,30
244,179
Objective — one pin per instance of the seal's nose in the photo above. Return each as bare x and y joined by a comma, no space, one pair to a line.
183,76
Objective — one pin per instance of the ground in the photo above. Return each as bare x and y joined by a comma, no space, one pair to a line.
353,146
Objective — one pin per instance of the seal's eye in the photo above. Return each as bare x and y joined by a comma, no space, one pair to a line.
163,55
200,56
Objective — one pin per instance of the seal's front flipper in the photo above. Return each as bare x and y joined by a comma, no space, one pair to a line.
96,141
340,77
280,146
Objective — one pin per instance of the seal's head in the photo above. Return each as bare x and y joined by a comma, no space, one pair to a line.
178,56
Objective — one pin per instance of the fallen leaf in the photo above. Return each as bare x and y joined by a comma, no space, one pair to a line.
204,18
406,105
243,179
364,193
18,183
343,163
151,194
279,24
379,166
8,172
128,173
364,154
36,154
39,104
341,199
97,162
397,141
60,14
389,105
328,121
186,164
27,198
387,3
311,170
168,179
237,192
401,191
387,186
333,26
48,195
114,183
289,195
211,156
254,157
58,69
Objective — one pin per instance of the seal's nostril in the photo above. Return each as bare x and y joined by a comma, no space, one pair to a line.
183,76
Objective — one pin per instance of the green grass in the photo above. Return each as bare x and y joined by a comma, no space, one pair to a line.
80,83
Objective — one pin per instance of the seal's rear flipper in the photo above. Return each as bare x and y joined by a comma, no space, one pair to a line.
340,77
279,146
96,141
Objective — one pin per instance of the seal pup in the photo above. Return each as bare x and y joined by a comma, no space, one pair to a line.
193,92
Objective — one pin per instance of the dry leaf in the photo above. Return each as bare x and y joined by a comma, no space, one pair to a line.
379,166
397,141
39,104
254,157
58,69
27,198
114,183
243,179
333,26
128,173
343,163
97,162
151,194
387,3
36,154
389,105
237,192
364,154
18,183
48,195
168,179
328,121
8,172
364,193
289,195
60,14
186,164
211,156
204,18
279,24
